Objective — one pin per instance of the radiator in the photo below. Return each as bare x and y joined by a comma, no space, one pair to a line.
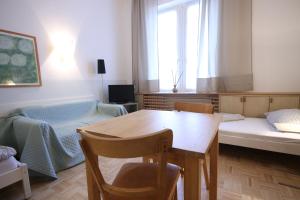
165,101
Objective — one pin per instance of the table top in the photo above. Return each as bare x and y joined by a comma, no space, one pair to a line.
192,132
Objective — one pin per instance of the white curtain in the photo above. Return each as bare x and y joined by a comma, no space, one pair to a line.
224,45
144,45
224,54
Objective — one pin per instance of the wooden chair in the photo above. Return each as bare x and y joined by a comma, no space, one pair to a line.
134,181
194,107
198,108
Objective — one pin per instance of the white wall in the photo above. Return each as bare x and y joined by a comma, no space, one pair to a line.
276,45
102,29
95,28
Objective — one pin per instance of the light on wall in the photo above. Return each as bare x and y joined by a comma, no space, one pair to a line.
63,48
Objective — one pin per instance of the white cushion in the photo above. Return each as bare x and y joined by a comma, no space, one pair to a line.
6,152
286,120
8,164
228,117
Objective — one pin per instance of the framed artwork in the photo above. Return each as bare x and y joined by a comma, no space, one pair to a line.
19,63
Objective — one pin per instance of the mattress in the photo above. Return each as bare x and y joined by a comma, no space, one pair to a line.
8,164
258,133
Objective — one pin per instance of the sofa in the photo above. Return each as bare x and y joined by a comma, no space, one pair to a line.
45,136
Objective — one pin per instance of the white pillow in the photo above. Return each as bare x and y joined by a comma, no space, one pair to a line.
227,117
286,120
6,152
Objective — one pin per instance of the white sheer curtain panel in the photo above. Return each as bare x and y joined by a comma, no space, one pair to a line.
224,41
144,45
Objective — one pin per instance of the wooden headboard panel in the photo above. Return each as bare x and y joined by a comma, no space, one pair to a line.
256,104
249,104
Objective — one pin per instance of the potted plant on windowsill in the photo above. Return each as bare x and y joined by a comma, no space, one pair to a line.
176,81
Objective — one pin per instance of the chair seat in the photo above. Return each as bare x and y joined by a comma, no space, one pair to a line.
135,175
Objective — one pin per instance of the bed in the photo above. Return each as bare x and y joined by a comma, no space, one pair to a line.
255,131
12,171
259,134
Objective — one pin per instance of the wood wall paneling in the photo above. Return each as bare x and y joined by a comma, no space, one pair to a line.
256,106
231,104
283,102
249,104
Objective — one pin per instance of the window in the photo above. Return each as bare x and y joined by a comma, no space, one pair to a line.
167,47
177,44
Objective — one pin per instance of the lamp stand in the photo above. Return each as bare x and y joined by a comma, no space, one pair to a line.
102,91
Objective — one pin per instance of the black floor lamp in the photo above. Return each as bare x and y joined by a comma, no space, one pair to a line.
101,70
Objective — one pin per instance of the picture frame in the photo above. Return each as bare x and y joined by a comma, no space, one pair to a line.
19,61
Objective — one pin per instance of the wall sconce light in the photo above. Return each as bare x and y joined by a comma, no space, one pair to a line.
63,48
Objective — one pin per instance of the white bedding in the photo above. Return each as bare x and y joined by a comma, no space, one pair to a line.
258,133
8,164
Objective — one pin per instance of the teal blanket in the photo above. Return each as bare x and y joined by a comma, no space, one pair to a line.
45,136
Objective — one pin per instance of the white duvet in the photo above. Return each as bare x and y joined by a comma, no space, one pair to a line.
8,164
257,128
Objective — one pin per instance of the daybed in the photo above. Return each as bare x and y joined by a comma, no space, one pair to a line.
259,134
45,136
12,171
255,131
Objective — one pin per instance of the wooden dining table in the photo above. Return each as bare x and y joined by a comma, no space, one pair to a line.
195,135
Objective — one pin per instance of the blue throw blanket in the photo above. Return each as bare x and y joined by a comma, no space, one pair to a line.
45,136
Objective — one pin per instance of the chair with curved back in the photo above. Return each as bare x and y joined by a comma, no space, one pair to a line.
134,181
194,107
197,108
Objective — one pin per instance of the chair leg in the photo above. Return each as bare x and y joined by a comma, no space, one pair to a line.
150,159
146,159
175,194
181,172
205,173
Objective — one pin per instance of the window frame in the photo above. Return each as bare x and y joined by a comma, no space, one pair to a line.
181,8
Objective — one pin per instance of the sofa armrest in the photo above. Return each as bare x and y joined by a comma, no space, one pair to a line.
112,109
24,126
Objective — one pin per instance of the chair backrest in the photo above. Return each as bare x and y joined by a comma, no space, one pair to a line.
158,143
194,107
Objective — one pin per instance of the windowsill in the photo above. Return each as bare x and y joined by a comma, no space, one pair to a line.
179,93
222,93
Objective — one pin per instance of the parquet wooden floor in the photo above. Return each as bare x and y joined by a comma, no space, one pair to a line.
244,174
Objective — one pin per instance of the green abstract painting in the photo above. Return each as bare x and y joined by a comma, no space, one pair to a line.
19,64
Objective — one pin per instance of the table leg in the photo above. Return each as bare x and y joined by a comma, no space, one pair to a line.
93,192
192,178
214,154
205,172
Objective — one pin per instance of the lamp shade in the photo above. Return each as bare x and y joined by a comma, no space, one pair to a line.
101,66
